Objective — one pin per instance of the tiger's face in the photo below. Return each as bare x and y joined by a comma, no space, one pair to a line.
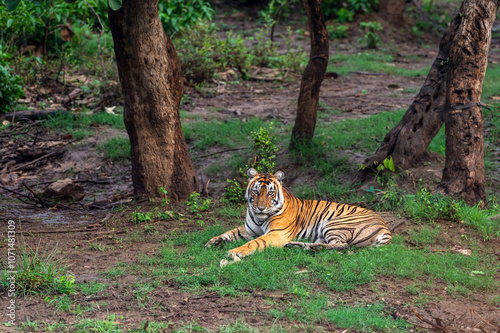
264,194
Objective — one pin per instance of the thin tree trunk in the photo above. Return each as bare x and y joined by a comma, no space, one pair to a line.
314,73
464,167
151,81
407,142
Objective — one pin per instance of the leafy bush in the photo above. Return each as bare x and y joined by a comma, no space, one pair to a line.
197,204
337,31
371,39
10,85
262,160
176,15
40,22
202,52
344,11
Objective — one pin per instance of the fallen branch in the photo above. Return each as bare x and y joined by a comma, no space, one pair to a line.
434,326
31,115
219,152
397,226
54,153
484,320
108,233
57,231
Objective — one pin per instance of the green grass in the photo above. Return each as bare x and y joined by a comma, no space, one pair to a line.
425,206
274,269
425,236
491,84
230,134
362,317
363,134
80,125
116,148
91,287
375,62
38,272
196,269
108,325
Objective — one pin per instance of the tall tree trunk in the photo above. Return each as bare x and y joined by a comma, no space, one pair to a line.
307,107
151,81
464,167
407,142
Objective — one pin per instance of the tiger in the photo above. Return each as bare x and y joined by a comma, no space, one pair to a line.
275,217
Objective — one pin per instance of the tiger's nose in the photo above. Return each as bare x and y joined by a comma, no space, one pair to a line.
261,208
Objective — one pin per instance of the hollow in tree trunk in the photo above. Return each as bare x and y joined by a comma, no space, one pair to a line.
307,106
464,166
151,81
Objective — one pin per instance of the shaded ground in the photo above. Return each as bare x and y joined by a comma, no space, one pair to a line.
111,239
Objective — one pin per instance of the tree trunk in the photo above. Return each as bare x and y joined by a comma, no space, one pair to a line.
307,108
151,81
392,11
464,167
407,142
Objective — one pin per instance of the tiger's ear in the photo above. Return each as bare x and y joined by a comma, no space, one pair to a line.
280,175
251,173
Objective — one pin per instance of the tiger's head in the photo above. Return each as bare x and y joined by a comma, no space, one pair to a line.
264,193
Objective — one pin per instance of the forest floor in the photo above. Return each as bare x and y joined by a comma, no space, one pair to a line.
111,255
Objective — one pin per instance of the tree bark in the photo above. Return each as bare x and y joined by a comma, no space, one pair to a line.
151,81
407,142
464,166
392,11
314,73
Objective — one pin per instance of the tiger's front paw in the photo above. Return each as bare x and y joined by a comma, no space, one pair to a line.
238,253
216,241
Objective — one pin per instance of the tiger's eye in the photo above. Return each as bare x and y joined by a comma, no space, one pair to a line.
271,193
255,192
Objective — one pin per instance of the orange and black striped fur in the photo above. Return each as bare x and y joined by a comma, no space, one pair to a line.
275,217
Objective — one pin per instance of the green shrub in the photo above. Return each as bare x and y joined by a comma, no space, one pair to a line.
39,22
262,160
176,15
371,39
344,11
10,87
38,271
202,52
337,31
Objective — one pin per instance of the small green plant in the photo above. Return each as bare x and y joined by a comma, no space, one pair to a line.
234,192
165,201
262,160
139,217
196,204
371,38
337,31
264,150
384,171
